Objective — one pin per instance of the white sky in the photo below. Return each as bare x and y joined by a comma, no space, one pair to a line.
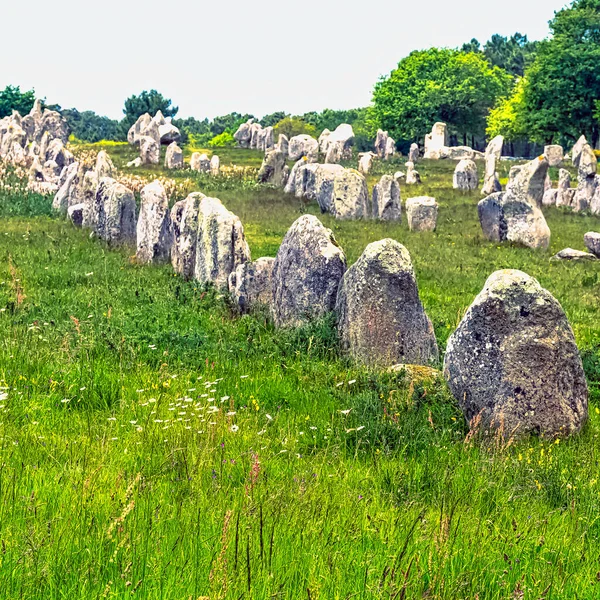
254,56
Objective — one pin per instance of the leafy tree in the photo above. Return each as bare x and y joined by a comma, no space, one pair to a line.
513,54
87,126
291,126
564,80
272,119
330,119
228,123
147,102
472,46
222,140
438,85
507,118
12,98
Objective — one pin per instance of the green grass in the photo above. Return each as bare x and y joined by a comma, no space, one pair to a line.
117,480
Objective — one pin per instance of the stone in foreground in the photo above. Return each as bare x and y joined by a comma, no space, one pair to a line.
307,273
184,220
422,213
154,231
381,320
114,206
513,364
250,285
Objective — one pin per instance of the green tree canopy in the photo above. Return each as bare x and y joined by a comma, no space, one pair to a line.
513,54
507,118
88,126
272,119
563,83
291,126
147,102
12,98
446,85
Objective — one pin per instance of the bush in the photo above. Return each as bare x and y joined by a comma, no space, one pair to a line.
291,126
222,140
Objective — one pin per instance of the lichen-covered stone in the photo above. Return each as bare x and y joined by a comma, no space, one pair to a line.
250,285
154,231
592,242
184,221
115,210
465,176
513,365
149,150
387,205
381,320
174,157
303,146
350,195
422,213
307,272
271,170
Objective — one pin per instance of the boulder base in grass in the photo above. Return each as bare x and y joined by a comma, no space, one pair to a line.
350,195
513,365
422,213
184,220
570,254
154,231
592,242
75,214
250,284
307,273
381,320
465,176
114,206
174,157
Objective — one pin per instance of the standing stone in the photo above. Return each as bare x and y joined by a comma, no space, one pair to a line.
154,231
303,145
390,148
325,176
283,145
221,245
215,165
381,321
436,141
565,193
184,220
137,128
350,195
422,213
365,162
339,144
243,134
493,152
380,143
513,364
465,177
307,273
61,201
549,198
168,133
529,181
271,170
386,200
174,157
587,166
412,175
269,141
592,242
554,155
576,151
104,165
115,210
413,153
250,285
75,214
324,141
200,162
149,150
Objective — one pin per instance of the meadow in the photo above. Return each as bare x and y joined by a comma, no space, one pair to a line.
155,445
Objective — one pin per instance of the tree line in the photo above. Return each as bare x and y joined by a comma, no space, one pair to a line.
543,92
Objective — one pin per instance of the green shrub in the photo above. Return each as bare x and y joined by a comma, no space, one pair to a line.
224,139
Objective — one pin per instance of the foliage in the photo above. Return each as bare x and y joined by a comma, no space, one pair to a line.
438,85
291,126
12,98
272,119
228,123
222,140
330,119
564,80
513,54
88,126
146,102
507,117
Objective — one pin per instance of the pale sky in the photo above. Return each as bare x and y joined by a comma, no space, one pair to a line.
253,56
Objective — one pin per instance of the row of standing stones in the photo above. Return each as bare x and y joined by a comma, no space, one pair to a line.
512,363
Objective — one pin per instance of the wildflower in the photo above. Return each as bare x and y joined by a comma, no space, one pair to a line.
352,381
65,400
235,428
346,411
269,417
3,396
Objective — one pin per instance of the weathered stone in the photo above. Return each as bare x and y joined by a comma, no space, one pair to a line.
168,133
422,213
324,178
149,150
412,175
221,245
385,147
381,320
513,364
154,231
390,148
89,186
303,145
465,176
200,162
365,162
271,170
75,214
104,165
577,148
184,221
174,157
250,285
135,131
215,165
549,198
324,141
436,140
302,180
386,200
588,163
458,153
554,155
115,210
243,134
576,255
592,242
61,201
307,273
57,152
413,153
283,145
136,162
529,182
493,153
350,195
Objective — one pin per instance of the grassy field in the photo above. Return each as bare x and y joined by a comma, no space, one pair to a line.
152,445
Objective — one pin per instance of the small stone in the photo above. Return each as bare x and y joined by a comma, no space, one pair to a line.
421,213
250,285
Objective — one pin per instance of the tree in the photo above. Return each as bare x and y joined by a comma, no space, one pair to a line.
12,98
87,126
438,85
512,54
507,118
472,46
564,80
291,126
147,102
272,119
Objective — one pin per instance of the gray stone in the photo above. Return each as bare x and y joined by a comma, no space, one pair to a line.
61,201
577,148
529,181
243,134
221,245
250,285
436,141
513,365
104,165
387,205
592,242
350,195
154,231
149,150
324,141
565,193
115,210
75,214
324,178
381,320
303,146
271,170
307,273
184,221
168,133
365,162
493,153
412,175
576,255
422,213
554,155
174,157
200,162
215,165
413,153
465,176
283,145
